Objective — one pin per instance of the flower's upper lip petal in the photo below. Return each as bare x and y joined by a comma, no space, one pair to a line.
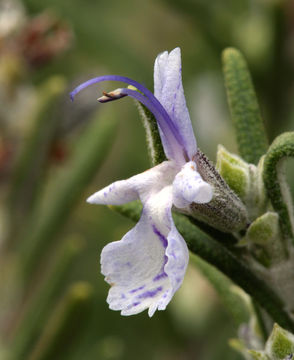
168,89
147,266
160,66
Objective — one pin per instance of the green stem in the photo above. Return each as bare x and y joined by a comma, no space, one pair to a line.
213,252
232,302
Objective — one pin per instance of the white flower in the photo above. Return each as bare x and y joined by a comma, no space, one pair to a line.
147,266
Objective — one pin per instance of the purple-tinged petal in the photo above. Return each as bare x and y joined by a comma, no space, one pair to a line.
168,89
138,186
159,72
117,193
178,258
130,265
188,187
147,266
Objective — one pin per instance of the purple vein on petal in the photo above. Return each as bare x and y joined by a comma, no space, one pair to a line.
164,242
150,293
160,276
137,289
162,238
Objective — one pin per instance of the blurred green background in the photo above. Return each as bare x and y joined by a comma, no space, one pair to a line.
54,154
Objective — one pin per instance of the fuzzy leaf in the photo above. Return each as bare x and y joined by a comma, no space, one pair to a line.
245,112
275,182
264,233
280,344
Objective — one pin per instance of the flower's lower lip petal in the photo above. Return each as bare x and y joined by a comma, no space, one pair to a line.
178,258
147,266
131,266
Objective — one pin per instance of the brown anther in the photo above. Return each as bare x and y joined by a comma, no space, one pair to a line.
107,94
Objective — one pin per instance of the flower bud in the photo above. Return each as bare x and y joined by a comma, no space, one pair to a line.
244,179
258,355
280,344
263,237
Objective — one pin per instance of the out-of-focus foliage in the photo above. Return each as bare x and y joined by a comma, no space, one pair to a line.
53,154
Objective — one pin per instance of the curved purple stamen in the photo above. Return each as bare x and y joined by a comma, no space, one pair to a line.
164,120
160,117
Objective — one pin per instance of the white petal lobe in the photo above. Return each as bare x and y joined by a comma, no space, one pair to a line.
188,187
119,192
138,186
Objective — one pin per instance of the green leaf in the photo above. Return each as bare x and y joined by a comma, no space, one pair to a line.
224,260
280,344
90,151
232,301
65,324
245,112
30,166
39,306
275,182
